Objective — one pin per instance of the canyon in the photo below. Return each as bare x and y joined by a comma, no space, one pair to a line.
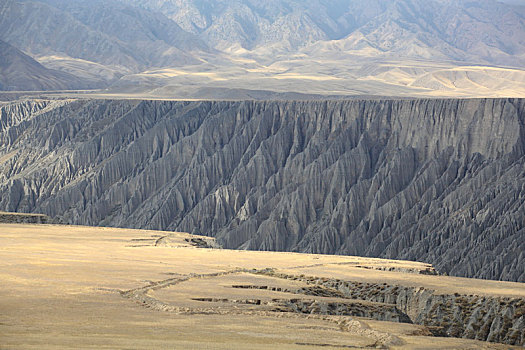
435,180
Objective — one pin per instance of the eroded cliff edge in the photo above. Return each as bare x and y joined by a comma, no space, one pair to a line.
440,181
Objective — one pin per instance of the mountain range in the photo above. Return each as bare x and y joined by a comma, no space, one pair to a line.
483,31
177,48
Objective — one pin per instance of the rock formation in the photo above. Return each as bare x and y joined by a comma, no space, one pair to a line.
17,218
440,181
494,319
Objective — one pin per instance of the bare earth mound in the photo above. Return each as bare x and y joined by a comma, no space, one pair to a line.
82,287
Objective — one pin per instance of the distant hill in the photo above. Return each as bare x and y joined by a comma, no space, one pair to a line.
18,71
79,36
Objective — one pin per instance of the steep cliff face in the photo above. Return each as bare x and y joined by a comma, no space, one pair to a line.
487,318
441,181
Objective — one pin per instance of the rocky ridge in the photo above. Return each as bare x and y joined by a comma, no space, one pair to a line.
440,181
485,318
17,218
408,28
98,35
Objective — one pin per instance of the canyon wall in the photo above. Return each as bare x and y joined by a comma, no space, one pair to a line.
434,180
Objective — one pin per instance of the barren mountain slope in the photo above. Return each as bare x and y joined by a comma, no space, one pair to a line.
482,31
428,48
194,49
106,32
20,72
440,181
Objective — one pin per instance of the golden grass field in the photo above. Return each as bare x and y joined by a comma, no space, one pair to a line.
73,287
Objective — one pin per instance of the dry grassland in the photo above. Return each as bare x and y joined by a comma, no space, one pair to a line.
68,287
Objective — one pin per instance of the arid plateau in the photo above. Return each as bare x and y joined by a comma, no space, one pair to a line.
83,287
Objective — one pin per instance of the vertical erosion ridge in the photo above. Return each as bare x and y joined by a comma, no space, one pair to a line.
440,181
